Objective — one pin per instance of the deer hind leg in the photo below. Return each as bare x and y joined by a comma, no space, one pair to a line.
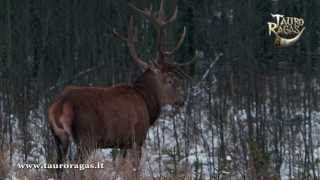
62,148
136,161
62,143
65,120
135,157
61,128
64,133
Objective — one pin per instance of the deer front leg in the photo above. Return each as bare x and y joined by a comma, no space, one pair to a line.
136,157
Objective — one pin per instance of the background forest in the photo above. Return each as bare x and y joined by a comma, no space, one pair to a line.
254,114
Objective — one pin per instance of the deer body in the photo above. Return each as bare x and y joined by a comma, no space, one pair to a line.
114,117
119,116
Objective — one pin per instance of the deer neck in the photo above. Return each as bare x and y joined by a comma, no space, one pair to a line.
147,86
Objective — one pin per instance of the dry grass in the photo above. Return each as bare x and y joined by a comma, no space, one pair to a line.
32,174
113,170
4,165
120,169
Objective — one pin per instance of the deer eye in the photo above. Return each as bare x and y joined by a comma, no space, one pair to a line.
170,81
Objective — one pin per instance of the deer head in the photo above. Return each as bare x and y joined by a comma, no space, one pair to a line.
167,75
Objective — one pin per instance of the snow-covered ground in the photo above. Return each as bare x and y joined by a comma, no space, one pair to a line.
187,144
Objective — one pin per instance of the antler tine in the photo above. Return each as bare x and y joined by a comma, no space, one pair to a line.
150,8
147,13
161,16
173,17
160,22
161,11
132,36
180,42
130,43
194,58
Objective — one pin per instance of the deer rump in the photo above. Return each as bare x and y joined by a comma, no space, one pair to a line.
94,117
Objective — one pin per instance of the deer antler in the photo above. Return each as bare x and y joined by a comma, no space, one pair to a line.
178,44
159,22
132,37
194,58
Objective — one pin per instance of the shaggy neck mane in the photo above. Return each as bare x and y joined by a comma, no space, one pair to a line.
147,86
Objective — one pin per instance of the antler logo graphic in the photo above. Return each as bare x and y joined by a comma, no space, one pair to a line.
287,30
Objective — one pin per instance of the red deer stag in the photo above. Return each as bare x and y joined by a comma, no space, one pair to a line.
120,116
